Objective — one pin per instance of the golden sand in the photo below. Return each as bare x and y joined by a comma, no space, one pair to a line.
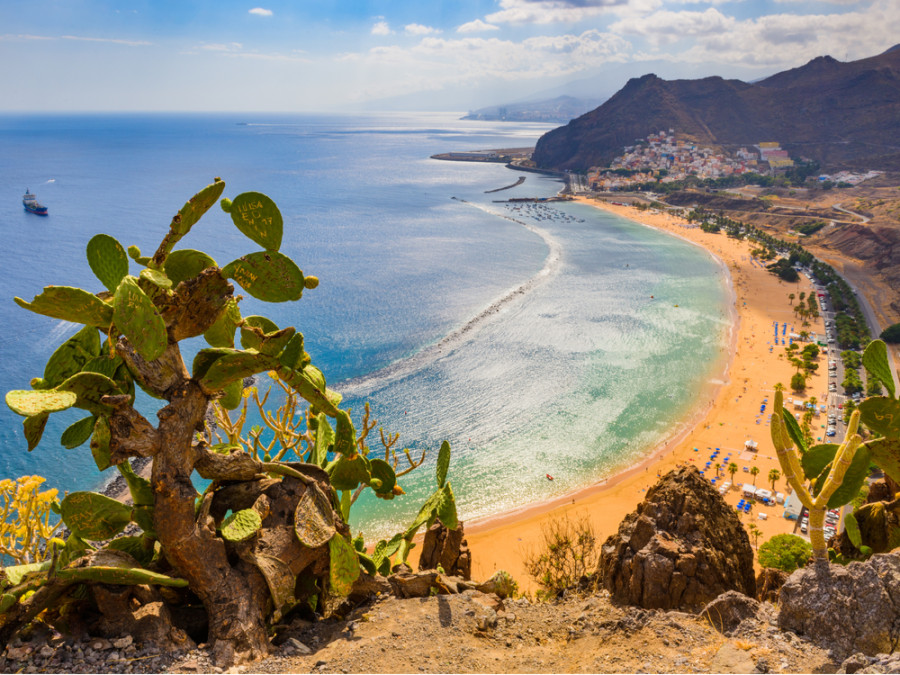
726,419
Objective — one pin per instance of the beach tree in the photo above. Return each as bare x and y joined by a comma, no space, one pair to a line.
732,469
786,552
718,469
774,475
754,471
269,533
791,297
755,533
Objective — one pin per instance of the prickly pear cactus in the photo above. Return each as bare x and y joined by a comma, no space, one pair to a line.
28,403
70,304
196,206
185,264
72,356
254,214
314,518
137,317
267,275
78,433
108,260
93,516
344,565
241,525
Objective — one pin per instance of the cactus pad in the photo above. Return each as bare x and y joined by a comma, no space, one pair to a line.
231,367
139,320
89,389
70,304
446,509
104,365
77,433
348,474
196,206
156,277
292,355
121,576
258,218
186,264
241,525
343,565
71,356
344,434
875,360
882,415
93,516
221,333
305,387
249,338
139,487
34,429
886,454
324,439
28,402
100,444
206,357
267,275
7,602
233,395
384,472
443,464
314,518
853,480
133,546
108,260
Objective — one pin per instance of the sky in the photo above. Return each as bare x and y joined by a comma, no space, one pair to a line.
334,55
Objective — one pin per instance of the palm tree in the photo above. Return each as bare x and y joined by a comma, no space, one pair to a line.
754,471
718,467
755,532
791,298
774,475
802,296
732,469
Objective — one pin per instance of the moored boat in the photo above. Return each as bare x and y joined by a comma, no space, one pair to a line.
30,202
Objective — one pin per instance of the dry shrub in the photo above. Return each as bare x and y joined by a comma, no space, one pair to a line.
567,556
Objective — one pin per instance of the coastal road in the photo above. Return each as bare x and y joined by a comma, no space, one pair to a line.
838,207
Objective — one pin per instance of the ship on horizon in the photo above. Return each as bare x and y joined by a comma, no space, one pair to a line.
30,202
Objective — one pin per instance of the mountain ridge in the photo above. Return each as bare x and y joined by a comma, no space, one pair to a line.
838,113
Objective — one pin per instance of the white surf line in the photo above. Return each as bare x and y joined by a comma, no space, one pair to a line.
362,385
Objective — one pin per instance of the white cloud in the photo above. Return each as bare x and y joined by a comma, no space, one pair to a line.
259,11
419,29
381,28
780,41
222,47
436,62
665,27
127,43
476,26
565,11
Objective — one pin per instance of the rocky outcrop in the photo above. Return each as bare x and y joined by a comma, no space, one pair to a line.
847,609
447,549
768,584
726,612
681,549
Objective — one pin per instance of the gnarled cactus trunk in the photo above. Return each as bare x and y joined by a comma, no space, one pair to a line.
233,603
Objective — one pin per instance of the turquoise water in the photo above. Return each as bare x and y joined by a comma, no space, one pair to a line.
525,336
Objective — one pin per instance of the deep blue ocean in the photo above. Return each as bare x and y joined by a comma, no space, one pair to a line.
577,372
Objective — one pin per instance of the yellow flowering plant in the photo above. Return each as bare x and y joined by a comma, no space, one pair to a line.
26,527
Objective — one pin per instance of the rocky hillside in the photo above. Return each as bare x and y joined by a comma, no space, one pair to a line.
841,114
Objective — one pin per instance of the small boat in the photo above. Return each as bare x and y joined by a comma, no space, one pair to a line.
30,202
549,477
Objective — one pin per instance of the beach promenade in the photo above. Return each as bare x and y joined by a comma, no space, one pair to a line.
727,416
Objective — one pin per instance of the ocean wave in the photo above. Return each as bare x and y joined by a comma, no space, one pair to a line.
361,386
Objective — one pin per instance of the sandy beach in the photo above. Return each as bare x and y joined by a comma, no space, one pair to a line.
726,417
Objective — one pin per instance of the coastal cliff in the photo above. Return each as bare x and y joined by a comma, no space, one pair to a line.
839,114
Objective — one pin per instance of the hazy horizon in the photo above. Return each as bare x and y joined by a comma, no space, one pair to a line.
199,56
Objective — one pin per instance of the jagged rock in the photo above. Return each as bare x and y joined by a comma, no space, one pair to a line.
681,549
847,609
367,585
726,612
501,584
448,549
768,583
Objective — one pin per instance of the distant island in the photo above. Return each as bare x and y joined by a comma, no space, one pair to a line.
560,109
